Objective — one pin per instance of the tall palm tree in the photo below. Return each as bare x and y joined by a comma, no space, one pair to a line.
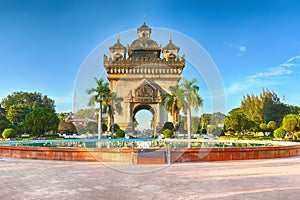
191,98
173,102
99,94
111,105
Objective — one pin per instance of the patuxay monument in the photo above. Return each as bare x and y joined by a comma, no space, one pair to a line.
141,73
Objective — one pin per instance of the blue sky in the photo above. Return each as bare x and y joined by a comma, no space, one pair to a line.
254,44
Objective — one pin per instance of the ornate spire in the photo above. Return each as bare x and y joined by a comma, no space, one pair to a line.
170,45
118,44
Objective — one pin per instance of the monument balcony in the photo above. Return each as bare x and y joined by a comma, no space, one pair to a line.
144,70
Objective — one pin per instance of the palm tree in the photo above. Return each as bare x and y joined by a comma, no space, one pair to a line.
173,102
191,98
99,94
112,104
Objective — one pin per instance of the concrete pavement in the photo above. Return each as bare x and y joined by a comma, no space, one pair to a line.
248,179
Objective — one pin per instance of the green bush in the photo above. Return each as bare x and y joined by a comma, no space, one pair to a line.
9,133
120,133
168,125
202,131
116,127
167,133
104,127
279,133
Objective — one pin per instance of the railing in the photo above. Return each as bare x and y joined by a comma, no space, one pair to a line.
145,143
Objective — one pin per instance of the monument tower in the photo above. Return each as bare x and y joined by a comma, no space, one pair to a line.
141,76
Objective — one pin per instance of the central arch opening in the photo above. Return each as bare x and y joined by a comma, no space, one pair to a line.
144,123
143,117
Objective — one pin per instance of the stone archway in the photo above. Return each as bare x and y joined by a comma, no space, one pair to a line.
140,75
139,107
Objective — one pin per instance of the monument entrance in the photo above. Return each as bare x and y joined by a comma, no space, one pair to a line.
140,75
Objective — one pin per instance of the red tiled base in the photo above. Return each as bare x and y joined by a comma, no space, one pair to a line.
125,155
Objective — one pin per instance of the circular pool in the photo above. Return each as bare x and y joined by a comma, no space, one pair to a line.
151,151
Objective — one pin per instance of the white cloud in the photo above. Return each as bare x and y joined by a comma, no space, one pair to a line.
266,77
241,50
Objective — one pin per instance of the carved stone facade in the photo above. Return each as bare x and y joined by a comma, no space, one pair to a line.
142,76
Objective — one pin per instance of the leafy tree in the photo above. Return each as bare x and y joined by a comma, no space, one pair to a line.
279,133
191,99
9,133
167,133
173,102
66,127
41,120
264,108
235,121
251,106
17,113
92,127
2,113
120,133
252,126
271,125
294,109
205,120
3,125
291,123
28,99
111,105
99,94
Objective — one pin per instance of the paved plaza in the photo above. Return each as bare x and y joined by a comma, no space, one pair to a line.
249,179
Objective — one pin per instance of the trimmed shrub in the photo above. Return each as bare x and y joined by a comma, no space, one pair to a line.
120,133
203,131
9,133
167,133
116,127
279,133
168,125
104,127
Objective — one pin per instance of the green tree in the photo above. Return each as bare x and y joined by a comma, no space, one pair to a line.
3,125
235,121
173,102
279,133
9,133
291,123
2,113
99,94
28,99
41,120
205,120
17,113
271,125
265,107
191,99
112,105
